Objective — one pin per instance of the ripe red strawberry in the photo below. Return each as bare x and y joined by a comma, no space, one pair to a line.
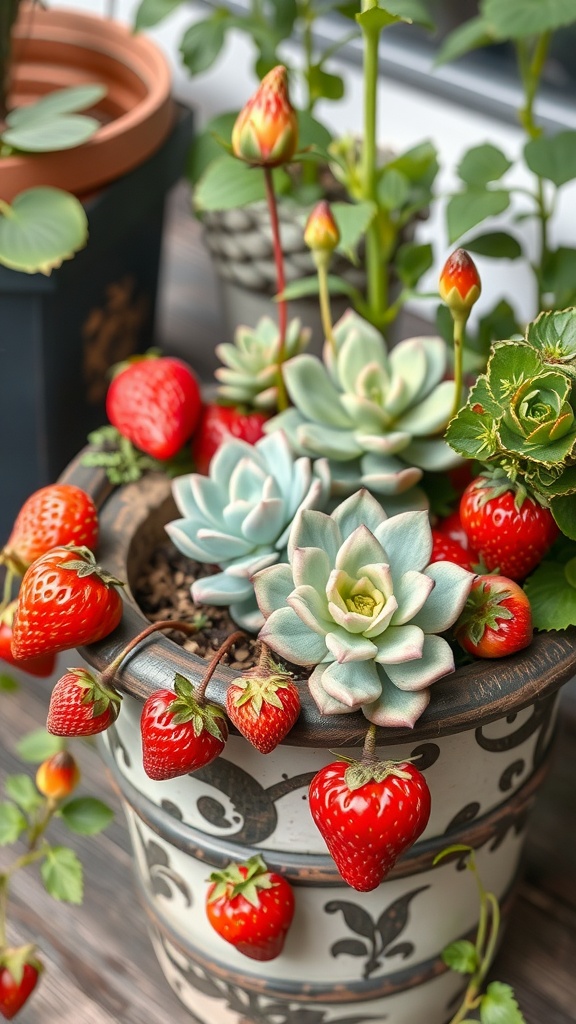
41,666
510,530
58,776
263,704
65,600
179,732
80,705
251,907
17,982
369,813
217,424
496,620
55,515
444,549
155,402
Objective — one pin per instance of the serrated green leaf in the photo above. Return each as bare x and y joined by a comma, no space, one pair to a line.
38,745
12,823
62,875
472,35
461,956
499,1006
472,434
497,244
515,19
7,684
554,335
552,597
202,44
42,228
467,209
86,815
482,164
22,790
151,12
553,157
564,511
406,10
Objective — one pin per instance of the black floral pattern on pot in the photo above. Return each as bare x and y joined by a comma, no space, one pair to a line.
377,938
161,876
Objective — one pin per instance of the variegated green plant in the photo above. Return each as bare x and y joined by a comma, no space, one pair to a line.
359,600
379,417
239,516
520,416
249,376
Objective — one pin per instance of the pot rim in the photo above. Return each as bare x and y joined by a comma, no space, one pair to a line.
471,697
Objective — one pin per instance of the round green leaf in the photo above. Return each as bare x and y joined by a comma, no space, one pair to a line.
38,745
393,189
202,43
467,209
515,19
54,133
22,790
482,164
12,823
150,12
497,244
471,35
42,228
553,157
62,875
86,815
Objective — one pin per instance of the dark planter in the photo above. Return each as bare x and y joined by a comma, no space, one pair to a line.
60,334
350,958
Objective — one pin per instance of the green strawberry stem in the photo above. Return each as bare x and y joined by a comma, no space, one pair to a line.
458,336
283,402
216,659
322,261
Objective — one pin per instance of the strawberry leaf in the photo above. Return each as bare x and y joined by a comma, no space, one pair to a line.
7,684
552,596
62,875
86,816
499,1005
38,745
461,956
12,823
21,789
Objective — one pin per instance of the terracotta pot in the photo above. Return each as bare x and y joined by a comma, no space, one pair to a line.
350,958
53,49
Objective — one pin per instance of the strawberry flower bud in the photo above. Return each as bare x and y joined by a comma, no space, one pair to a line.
58,776
460,284
321,233
265,133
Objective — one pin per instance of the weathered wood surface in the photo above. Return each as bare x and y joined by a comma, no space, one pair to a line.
100,968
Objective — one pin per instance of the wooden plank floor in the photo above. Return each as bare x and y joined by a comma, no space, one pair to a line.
100,965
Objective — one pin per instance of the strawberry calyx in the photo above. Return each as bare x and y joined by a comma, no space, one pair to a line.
15,958
245,879
101,697
187,706
495,481
139,357
359,773
259,686
484,609
86,565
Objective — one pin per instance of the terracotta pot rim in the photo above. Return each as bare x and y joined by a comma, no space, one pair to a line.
53,46
473,696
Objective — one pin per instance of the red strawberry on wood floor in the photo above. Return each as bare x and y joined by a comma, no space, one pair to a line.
155,402
251,907
369,812
510,531
263,704
52,516
65,600
496,620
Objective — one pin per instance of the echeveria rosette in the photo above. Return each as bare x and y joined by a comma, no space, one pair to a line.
239,516
359,600
249,376
521,415
379,417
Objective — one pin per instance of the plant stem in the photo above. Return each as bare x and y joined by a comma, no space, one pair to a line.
376,271
458,336
485,945
324,294
107,676
8,14
216,659
280,283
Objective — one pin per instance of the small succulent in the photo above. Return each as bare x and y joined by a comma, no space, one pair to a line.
250,371
239,516
359,600
377,416
520,416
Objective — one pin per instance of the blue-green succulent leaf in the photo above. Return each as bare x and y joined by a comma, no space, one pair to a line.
412,590
272,587
292,639
451,588
361,508
352,686
436,662
345,647
312,391
326,704
396,708
311,608
399,644
407,541
314,529
310,566
221,588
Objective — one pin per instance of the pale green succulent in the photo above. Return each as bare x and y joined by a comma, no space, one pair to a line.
249,374
239,516
379,417
359,600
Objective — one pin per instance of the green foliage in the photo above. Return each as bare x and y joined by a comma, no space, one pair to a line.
553,158
551,589
23,792
62,874
86,815
12,823
53,123
498,244
499,1006
42,228
7,683
461,956
38,745
473,205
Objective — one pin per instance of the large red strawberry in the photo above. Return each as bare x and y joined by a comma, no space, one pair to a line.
80,705
55,515
18,979
179,732
263,704
510,530
155,402
444,549
496,620
217,424
41,666
369,812
251,907
65,600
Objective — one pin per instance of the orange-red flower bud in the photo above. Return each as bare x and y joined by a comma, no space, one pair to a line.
321,233
460,284
58,775
265,133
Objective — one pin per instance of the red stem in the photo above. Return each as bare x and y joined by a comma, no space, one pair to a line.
108,674
216,658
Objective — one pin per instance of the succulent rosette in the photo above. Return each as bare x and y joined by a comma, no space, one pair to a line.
238,517
521,415
249,376
378,417
359,600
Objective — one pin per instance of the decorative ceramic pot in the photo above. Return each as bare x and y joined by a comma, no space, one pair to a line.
350,957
